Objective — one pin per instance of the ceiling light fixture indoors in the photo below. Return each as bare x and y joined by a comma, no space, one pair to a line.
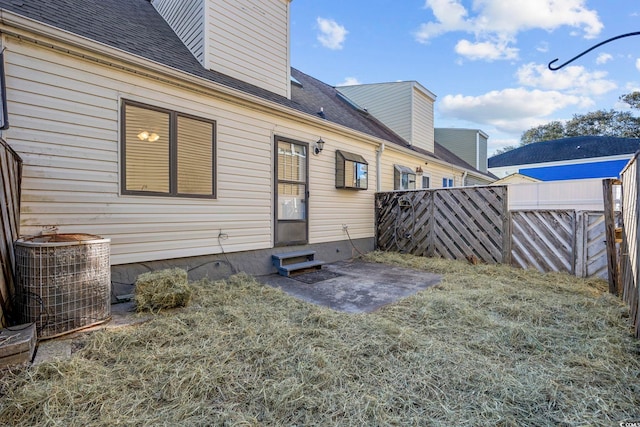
146,136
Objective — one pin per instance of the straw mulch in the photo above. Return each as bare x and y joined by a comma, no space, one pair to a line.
489,346
162,289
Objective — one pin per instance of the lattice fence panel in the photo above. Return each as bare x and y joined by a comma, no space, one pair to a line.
451,223
403,221
595,248
544,240
470,223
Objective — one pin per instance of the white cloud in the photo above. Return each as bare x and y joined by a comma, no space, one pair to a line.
603,58
485,50
543,47
574,80
515,16
509,110
332,35
503,20
349,81
450,15
638,64
632,87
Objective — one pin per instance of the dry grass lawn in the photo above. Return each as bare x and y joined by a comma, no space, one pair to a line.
490,345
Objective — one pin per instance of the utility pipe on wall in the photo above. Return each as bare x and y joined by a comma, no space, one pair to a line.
378,168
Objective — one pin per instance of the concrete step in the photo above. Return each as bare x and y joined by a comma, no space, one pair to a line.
286,270
285,258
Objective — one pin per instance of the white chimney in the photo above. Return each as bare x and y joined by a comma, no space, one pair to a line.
244,39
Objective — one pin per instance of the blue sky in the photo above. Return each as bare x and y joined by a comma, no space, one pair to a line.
485,60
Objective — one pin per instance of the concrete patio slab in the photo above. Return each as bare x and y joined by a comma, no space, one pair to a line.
356,286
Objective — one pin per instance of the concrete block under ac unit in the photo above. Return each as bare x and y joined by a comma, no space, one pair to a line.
17,345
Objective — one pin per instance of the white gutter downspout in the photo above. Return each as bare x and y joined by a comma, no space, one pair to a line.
378,163
464,178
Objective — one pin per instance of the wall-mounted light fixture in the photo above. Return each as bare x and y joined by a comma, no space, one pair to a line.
146,136
419,171
318,147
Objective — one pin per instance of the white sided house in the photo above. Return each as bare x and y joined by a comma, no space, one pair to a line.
407,107
178,129
468,144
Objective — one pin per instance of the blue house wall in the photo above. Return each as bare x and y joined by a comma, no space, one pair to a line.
604,169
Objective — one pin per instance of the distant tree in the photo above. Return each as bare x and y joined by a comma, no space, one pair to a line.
552,130
597,123
504,149
604,123
633,99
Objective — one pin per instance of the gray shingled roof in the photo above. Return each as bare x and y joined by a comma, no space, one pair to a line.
579,147
134,26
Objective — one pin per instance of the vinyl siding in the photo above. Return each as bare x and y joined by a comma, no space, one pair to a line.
65,121
249,40
463,143
331,207
390,103
422,123
472,180
186,18
436,172
482,154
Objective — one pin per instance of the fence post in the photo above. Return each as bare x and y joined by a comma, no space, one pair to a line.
506,227
610,233
580,244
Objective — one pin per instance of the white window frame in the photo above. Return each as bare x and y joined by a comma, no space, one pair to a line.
428,176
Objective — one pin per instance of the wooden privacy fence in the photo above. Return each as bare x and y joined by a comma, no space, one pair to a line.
559,240
449,223
11,173
474,223
629,273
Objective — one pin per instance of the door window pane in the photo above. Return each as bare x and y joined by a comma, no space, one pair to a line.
292,162
291,201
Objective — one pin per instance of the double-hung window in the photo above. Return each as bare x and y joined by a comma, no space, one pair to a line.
447,182
167,153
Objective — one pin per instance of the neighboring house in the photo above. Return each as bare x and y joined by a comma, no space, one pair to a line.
407,108
515,178
178,130
468,144
579,157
